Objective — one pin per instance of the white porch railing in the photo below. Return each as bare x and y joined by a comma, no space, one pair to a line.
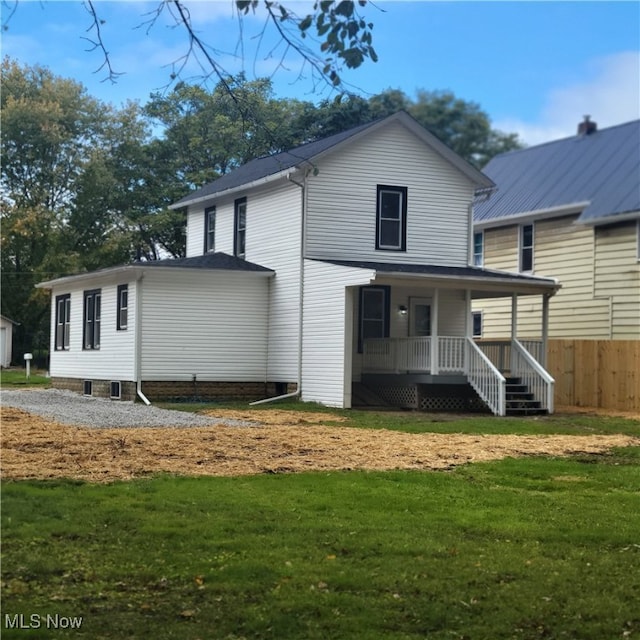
394,355
499,351
532,373
485,378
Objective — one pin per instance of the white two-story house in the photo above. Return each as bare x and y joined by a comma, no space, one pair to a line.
335,271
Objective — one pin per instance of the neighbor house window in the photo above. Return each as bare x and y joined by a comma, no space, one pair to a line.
240,226
391,218
477,324
526,247
123,307
63,321
209,229
374,313
91,339
478,249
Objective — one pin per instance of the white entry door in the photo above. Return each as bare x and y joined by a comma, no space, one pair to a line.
419,317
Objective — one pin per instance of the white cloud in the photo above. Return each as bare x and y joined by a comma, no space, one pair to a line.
610,95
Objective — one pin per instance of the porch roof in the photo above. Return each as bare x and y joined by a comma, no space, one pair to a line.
483,283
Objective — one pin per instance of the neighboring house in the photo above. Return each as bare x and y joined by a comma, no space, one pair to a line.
568,209
341,265
6,341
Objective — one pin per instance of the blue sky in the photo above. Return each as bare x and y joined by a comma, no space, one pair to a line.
535,67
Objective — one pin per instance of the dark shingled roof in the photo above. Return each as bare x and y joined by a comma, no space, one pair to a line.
270,165
218,260
440,270
263,168
602,167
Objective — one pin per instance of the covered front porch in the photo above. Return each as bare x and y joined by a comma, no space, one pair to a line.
413,335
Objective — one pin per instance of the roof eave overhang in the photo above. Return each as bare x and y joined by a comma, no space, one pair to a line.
610,219
90,275
138,270
524,217
274,177
496,285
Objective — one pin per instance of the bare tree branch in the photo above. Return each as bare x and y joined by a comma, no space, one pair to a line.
98,43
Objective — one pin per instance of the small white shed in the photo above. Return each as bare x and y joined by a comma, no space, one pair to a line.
6,340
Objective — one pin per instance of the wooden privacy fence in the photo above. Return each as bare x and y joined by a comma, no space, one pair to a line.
596,373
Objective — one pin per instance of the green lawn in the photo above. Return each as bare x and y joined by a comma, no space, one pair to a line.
523,549
17,378
421,422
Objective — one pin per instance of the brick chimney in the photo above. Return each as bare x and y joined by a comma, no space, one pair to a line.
586,127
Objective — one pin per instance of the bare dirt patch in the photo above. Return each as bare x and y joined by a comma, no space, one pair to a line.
283,442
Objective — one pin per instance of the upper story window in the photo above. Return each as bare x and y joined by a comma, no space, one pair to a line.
91,334
478,249
123,307
240,227
209,229
391,218
63,321
526,247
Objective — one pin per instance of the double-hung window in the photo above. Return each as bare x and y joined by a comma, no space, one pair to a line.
374,313
209,229
63,322
526,247
123,307
391,218
478,249
240,227
91,334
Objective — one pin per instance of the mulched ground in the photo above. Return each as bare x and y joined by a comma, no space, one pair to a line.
281,442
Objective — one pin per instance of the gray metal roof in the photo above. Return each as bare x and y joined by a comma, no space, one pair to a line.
263,168
601,169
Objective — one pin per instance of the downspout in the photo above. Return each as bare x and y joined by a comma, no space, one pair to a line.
296,393
138,345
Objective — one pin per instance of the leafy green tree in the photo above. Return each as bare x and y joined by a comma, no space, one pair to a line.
67,165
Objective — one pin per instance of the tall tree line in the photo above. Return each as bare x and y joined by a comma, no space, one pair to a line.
86,185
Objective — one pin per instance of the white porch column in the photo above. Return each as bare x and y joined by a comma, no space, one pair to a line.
514,326
545,328
435,369
468,327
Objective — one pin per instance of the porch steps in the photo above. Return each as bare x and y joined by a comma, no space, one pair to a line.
520,401
364,396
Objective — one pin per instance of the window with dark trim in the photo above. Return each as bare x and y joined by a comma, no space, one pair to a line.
240,227
209,229
526,247
477,324
63,322
91,333
478,249
123,307
391,218
374,314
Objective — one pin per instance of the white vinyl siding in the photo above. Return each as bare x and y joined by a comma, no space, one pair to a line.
273,241
214,328
329,303
342,198
115,360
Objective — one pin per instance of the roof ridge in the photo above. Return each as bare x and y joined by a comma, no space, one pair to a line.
567,138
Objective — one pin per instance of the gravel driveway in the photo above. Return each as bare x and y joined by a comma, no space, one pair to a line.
71,408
